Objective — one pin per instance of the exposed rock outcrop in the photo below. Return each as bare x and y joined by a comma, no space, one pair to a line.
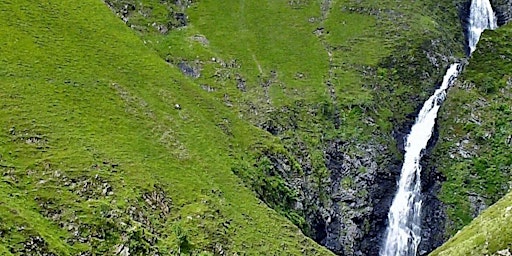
352,176
503,9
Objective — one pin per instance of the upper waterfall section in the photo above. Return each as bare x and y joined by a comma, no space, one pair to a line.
481,17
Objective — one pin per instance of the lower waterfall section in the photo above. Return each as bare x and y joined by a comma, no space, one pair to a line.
404,232
403,235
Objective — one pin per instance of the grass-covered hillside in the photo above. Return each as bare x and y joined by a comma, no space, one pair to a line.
474,150
97,158
207,127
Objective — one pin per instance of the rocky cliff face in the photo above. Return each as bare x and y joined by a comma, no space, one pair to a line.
503,9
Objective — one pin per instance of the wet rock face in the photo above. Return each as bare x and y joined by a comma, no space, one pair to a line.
359,193
340,207
362,186
503,9
434,213
351,176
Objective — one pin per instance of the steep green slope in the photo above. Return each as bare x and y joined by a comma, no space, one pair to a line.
95,156
488,234
474,150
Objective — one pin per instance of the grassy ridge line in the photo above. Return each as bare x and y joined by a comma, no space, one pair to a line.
488,234
66,69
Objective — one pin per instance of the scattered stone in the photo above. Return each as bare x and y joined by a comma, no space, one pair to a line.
207,88
160,28
504,252
319,31
183,4
122,250
476,204
240,83
181,19
202,40
158,200
189,70
34,245
227,101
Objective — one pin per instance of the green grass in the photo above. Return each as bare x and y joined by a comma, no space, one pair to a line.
83,97
270,35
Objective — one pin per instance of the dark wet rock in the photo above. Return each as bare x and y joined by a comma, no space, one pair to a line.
433,210
189,69
361,193
338,214
180,20
503,10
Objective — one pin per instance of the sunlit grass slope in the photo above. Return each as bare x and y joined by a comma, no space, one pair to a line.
488,234
95,156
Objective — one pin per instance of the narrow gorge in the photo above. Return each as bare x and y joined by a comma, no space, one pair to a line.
403,235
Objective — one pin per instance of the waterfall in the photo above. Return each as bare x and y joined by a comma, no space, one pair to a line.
404,231
481,17
403,235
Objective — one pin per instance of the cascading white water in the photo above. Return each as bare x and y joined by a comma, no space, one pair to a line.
481,17
404,231
403,235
